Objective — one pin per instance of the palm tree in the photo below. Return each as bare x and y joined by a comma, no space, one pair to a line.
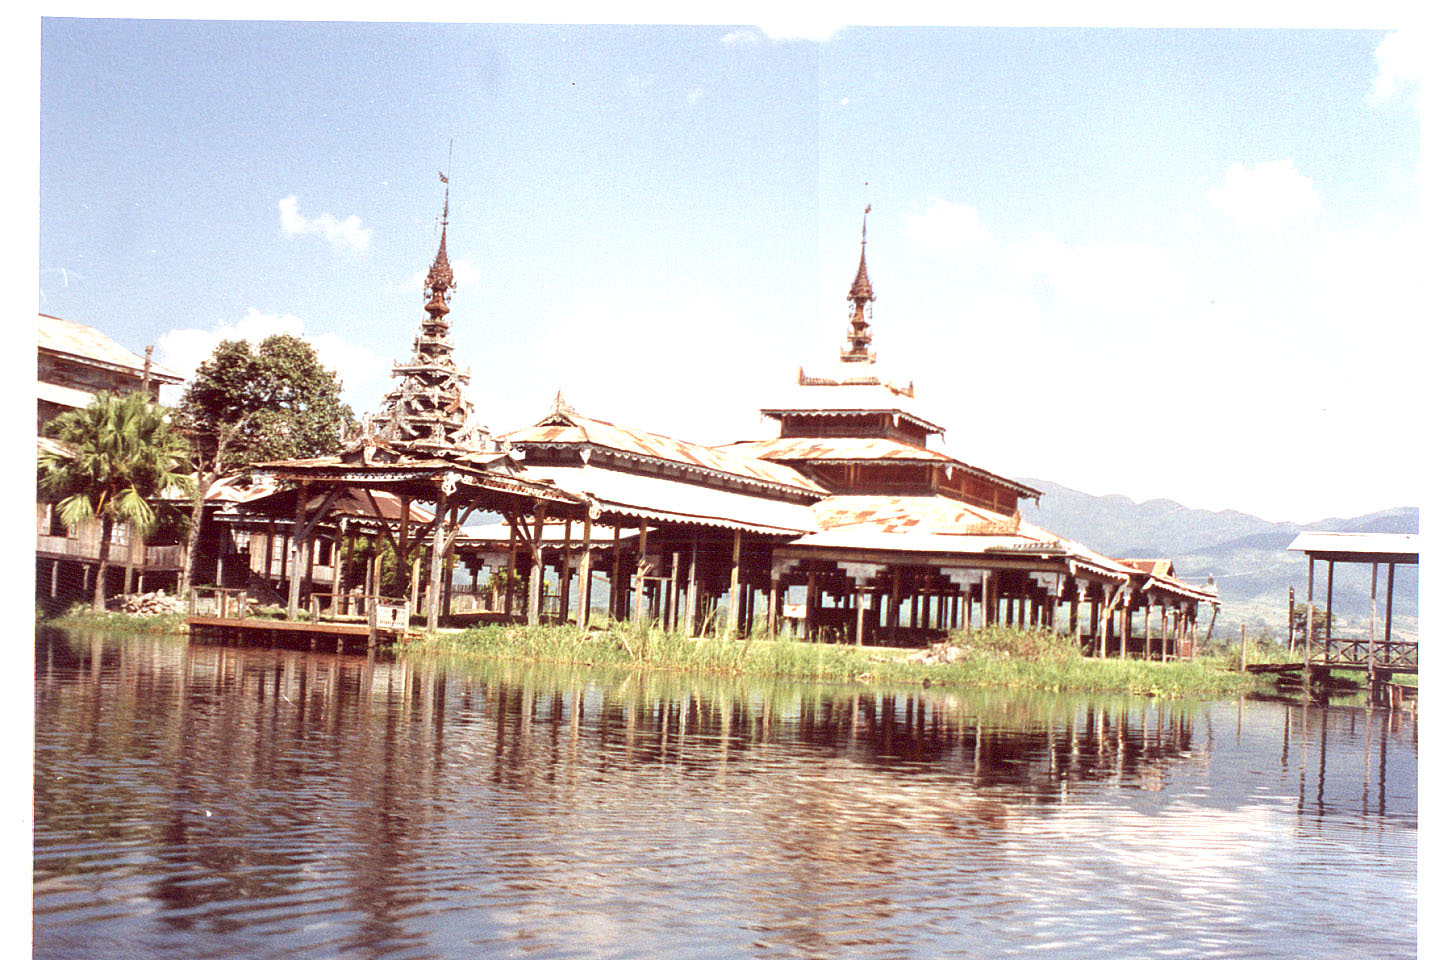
121,455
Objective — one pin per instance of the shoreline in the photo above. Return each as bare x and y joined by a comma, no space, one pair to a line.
994,657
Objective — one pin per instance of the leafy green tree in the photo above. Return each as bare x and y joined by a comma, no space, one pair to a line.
121,454
250,404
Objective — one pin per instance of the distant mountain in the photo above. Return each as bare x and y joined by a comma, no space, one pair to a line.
1245,554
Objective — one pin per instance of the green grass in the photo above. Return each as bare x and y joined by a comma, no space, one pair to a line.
80,616
995,657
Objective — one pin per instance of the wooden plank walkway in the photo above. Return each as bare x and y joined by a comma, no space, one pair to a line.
325,628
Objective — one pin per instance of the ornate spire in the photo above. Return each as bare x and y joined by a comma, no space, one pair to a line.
426,413
861,295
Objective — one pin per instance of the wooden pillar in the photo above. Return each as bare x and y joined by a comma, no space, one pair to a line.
1370,652
342,585
269,548
586,568
672,605
732,622
1309,618
437,562
1329,605
415,581
771,613
811,634
894,605
511,573
859,616
692,605
1095,618
292,609
985,599
642,569
615,588
1075,608
565,577
1389,596
537,566
1147,629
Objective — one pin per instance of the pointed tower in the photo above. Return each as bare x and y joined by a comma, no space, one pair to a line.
427,413
861,296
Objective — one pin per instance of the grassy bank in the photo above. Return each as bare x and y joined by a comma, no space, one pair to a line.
81,617
996,657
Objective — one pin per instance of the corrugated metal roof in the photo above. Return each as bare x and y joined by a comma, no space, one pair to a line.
867,450
677,501
1319,543
66,336
574,429
848,398
601,535
836,449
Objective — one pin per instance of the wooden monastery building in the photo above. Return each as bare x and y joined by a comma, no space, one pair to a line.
848,521
76,362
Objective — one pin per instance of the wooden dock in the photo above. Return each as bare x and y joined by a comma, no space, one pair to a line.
223,615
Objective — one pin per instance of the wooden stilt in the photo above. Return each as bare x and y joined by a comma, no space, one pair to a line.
771,613
537,566
565,577
511,572
586,569
692,604
732,622
642,569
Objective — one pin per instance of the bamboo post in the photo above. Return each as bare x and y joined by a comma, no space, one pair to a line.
1242,648
1290,622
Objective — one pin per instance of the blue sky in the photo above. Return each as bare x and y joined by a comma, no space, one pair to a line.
1107,258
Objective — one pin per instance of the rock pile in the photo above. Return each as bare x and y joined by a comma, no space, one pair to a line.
148,604
942,652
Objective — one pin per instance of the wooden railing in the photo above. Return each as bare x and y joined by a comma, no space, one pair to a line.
166,557
1355,652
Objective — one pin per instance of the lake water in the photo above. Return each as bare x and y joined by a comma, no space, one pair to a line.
198,801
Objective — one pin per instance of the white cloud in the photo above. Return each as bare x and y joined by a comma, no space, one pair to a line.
1271,196
1401,63
695,96
798,28
360,369
948,229
746,37
350,232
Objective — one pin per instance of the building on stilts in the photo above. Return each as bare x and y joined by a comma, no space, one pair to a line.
849,516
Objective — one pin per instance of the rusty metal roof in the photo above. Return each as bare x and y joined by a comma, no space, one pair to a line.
565,427
73,339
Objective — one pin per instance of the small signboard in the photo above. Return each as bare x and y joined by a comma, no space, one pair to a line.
794,611
392,616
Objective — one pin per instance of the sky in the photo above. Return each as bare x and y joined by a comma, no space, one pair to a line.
1181,263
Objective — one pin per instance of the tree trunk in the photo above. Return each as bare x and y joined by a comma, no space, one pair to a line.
192,536
107,527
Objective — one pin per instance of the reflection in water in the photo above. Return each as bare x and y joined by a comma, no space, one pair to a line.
217,801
